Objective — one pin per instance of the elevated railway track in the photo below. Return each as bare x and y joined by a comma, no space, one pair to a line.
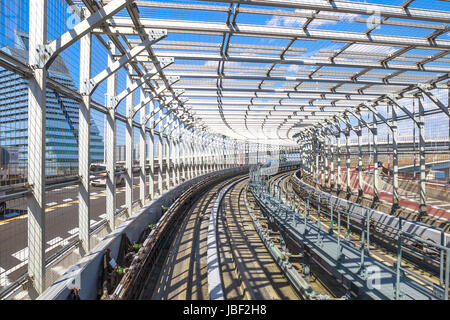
253,261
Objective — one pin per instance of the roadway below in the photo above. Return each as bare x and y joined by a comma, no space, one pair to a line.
61,225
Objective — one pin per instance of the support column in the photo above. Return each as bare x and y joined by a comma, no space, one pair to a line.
201,155
215,153
191,156
328,161
230,154
194,155
347,161
207,168
311,155
111,143
36,146
160,151
160,162
360,177
301,145
395,204
204,155
222,154
178,154
332,176
171,156
325,177
227,154
236,154
316,166
151,154
187,157
167,156
84,118
375,158
198,157
208,154
183,156
309,151
211,154
172,153
422,188
219,154
129,147
142,151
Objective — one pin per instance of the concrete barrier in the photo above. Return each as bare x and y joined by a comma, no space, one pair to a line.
392,222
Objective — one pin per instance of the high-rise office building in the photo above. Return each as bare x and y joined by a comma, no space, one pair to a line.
61,116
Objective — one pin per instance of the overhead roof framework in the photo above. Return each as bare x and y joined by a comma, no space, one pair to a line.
149,75
266,69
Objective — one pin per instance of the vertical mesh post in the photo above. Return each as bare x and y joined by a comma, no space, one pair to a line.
129,146
111,143
142,150
84,213
36,146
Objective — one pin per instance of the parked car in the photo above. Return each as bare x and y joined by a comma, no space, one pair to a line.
98,174
2,209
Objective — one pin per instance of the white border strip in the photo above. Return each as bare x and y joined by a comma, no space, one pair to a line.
214,279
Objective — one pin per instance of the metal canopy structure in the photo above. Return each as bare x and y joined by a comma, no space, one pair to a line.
214,80
325,55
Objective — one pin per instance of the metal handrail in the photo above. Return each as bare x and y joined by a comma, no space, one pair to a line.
292,274
365,236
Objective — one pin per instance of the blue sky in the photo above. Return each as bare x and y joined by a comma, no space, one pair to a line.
14,15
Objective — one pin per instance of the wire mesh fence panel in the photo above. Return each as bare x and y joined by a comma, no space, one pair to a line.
13,129
61,18
13,93
120,163
13,142
13,237
262,82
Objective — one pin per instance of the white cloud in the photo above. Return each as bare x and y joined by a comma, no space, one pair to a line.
343,17
293,68
214,64
210,63
282,21
370,48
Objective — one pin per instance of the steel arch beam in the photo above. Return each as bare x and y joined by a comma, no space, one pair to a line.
124,25
124,59
55,47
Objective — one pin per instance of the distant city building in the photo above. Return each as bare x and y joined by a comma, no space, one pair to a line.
121,153
61,116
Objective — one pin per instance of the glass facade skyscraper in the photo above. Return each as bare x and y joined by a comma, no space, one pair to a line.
61,116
